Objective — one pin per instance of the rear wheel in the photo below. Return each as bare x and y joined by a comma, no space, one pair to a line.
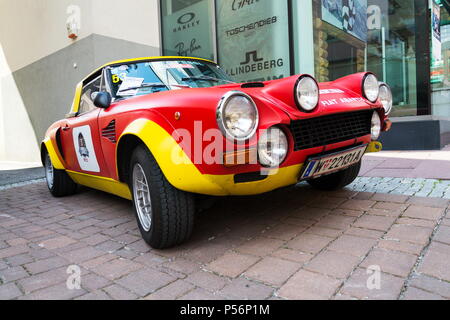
165,215
337,180
58,181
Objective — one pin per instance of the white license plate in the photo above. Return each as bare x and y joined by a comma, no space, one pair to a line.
334,162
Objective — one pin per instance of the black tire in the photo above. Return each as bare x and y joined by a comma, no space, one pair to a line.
172,210
337,180
58,182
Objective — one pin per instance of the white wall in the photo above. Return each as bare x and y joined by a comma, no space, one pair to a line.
33,29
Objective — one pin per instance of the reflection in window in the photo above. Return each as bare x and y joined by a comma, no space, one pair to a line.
186,28
440,60
369,35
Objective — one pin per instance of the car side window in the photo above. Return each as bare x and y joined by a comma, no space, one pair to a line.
86,102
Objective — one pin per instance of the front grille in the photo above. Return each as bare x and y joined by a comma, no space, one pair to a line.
316,132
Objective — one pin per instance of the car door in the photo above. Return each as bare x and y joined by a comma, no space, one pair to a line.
80,134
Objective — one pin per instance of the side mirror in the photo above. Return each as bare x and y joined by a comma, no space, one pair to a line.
102,99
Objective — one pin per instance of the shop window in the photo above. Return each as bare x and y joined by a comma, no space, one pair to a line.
253,39
368,35
187,28
440,58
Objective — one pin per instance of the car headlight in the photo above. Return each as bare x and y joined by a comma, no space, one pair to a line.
371,87
307,93
272,147
386,98
375,128
237,116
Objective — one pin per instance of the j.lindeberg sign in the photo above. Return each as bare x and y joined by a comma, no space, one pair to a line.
253,39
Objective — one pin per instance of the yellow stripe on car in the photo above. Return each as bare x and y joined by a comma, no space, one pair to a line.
184,175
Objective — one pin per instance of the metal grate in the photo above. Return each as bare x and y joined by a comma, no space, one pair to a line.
316,132
110,132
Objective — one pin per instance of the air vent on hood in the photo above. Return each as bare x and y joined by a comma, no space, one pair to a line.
253,85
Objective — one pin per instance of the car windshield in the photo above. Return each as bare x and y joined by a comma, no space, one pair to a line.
134,79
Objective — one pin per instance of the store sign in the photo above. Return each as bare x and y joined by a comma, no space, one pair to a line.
347,15
436,31
186,32
253,42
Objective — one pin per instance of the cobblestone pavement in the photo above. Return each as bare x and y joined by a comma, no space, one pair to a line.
405,186
294,243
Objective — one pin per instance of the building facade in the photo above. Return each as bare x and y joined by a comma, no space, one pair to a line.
405,42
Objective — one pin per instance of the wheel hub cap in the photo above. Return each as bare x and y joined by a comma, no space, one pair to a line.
142,198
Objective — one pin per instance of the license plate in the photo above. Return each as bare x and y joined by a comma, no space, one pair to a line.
334,162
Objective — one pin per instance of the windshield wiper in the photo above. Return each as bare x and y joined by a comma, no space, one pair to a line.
145,85
206,78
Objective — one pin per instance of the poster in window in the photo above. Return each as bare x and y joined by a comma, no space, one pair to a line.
436,30
347,15
253,39
187,32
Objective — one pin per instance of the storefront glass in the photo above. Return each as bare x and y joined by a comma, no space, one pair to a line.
257,40
369,35
440,62
187,28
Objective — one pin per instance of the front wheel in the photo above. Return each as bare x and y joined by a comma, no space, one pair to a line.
58,181
165,215
336,180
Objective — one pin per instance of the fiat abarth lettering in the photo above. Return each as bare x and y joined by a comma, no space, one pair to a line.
166,131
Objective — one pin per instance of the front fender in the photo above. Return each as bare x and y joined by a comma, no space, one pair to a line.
176,166
49,143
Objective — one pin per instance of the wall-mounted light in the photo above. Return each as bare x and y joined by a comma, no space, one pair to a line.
73,22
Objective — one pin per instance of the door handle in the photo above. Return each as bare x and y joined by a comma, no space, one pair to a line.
66,128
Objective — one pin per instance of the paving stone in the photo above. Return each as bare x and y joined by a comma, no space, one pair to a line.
264,271
45,265
430,284
9,291
401,246
172,291
43,280
309,243
13,274
56,292
117,268
232,264
207,280
57,242
119,293
358,204
417,294
284,231
364,233
357,286
352,245
421,212
260,246
243,289
414,234
393,262
145,281
306,285
292,255
201,295
372,222
429,202
335,264
443,235
436,261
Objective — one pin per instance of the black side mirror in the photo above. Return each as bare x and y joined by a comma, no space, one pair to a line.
102,99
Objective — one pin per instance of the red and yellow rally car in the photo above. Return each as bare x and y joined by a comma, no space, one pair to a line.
159,131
